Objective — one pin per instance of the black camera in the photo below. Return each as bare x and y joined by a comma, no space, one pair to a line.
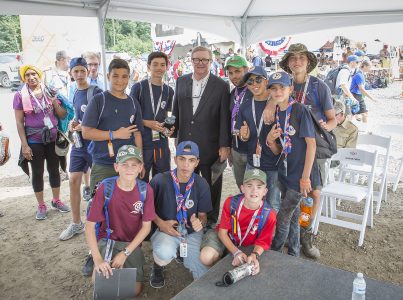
169,122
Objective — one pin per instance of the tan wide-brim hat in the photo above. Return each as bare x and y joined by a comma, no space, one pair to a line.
296,49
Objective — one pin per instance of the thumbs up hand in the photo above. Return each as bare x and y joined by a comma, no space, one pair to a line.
244,132
196,223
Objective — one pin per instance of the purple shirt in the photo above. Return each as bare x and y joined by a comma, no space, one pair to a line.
35,119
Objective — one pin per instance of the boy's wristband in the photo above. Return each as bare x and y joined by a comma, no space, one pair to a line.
111,135
237,252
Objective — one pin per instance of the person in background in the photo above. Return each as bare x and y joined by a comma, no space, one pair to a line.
346,132
58,77
36,115
358,90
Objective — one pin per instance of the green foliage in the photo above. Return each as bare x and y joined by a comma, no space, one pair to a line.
10,34
128,36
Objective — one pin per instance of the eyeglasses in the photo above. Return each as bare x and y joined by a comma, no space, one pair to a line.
252,81
204,61
93,65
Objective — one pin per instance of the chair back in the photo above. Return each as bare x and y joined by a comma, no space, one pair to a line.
371,139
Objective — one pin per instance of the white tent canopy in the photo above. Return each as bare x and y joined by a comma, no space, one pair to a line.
243,21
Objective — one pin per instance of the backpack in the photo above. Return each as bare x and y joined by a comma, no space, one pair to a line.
331,78
326,144
235,200
109,187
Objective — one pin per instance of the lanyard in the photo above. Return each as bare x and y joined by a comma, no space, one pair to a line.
258,129
303,98
181,210
241,239
238,101
41,106
286,142
152,98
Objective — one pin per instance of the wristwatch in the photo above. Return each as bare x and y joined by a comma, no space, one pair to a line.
127,252
257,255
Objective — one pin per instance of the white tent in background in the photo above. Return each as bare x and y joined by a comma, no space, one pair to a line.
242,21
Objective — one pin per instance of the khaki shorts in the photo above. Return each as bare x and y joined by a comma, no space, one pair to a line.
211,239
134,260
322,171
99,173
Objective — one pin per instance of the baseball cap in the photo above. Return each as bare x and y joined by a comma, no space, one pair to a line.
359,53
187,148
127,152
254,174
352,58
78,61
339,107
282,78
61,54
258,71
236,61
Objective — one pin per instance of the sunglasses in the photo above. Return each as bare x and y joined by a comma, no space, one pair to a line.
258,80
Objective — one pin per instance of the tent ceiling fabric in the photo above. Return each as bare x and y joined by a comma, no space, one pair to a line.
224,17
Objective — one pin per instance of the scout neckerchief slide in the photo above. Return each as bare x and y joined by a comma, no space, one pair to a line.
181,209
286,141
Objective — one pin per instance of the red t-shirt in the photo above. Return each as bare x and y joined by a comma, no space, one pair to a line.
245,216
124,211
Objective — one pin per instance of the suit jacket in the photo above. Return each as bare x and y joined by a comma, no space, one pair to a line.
209,127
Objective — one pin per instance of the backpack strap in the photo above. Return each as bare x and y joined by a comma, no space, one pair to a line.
109,187
263,217
234,203
90,92
142,186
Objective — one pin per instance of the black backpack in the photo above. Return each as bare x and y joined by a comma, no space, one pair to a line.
326,144
331,78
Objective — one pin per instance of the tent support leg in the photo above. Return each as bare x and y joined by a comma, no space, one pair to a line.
101,27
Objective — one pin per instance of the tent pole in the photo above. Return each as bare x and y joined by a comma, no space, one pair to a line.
101,27
243,36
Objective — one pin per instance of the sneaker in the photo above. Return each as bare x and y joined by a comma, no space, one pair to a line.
157,279
88,266
41,212
71,231
308,249
86,193
60,206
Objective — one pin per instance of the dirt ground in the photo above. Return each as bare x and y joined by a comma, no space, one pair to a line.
34,264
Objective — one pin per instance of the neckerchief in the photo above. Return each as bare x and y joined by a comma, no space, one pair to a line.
238,101
287,146
181,210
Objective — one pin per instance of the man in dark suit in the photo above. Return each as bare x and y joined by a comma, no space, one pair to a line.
201,107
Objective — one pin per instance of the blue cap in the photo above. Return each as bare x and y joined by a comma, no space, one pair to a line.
359,53
353,58
282,78
187,148
78,61
258,71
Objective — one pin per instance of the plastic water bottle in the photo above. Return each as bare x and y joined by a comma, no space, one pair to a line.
306,211
359,287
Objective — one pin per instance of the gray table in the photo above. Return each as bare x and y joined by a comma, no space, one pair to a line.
285,277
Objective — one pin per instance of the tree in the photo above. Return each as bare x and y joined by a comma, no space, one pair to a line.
10,34
128,36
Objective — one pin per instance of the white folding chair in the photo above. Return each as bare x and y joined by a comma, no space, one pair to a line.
349,192
372,142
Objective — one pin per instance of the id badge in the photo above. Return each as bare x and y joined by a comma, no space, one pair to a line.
155,135
183,248
110,149
256,160
48,123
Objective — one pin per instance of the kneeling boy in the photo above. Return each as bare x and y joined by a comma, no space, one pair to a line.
182,201
246,220
128,204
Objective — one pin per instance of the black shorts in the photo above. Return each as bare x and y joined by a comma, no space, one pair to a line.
363,107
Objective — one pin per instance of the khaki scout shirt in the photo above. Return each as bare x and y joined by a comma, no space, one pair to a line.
346,134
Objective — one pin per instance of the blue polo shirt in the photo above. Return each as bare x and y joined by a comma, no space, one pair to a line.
296,159
141,92
80,103
358,79
268,160
318,97
242,146
107,112
165,197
